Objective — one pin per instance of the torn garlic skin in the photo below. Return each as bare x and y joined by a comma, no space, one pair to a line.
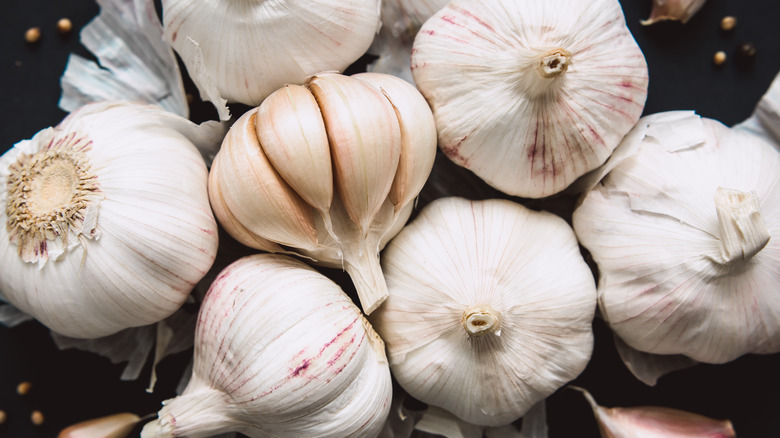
684,230
107,220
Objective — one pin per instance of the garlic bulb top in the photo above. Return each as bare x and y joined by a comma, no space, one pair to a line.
530,95
280,351
106,218
479,320
328,170
683,229
245,50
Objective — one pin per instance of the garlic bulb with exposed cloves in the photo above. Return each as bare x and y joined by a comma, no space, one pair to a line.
106,218
530,95
243,51
684,229
280,350
480,320
328,170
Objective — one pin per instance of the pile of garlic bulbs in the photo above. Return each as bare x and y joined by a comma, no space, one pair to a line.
482,308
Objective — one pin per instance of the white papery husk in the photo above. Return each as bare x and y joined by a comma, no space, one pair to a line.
765,120
460,255
401,20
280,350
144,239
243,51
476,62
652,227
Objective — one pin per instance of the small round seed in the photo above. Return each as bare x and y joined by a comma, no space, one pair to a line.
36,417
3,416
64,26
23,388
32,35
746,51
728,23
719,58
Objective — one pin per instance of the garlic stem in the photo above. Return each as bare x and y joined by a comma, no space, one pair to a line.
553,63
366,273
195,414
479,321
743,233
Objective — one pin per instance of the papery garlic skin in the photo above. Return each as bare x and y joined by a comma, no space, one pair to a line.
683,268
125,226
526,96
280,351
246,50
464,265
329,170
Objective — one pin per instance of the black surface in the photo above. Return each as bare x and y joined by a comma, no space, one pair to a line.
70,386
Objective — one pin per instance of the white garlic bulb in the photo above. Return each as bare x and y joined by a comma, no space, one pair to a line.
526,96
106,219
246,50
280,350
328,170
683,229
479,320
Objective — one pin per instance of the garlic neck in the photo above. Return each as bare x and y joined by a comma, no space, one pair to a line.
743,232
541,74
51,195
481,320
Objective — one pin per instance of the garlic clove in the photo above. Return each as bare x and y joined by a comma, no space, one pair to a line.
254,192
289,124
110,426
676,10
655,422
530,99
418,135
365,145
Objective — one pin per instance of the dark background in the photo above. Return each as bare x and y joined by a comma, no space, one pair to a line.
70,386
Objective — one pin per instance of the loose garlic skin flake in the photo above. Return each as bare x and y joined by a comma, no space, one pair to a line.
328,170
684,231
281,351
530,95
479,320
248,49
107,223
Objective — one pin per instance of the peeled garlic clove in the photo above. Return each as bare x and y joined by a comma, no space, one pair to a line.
679,10
478,322
280,350
675,275
107,223
110,426
289,124
655,421
254,192
365,146
418,136
529,99
250,49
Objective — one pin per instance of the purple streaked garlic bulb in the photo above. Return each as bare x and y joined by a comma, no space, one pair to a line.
530,95
280,350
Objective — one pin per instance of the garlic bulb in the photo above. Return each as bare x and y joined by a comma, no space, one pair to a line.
328,170
525,96
107,220
280,351
478,321
676,10
246,50
655,422
681,229
401,20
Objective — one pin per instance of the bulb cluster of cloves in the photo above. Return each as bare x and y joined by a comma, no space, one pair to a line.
327,170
